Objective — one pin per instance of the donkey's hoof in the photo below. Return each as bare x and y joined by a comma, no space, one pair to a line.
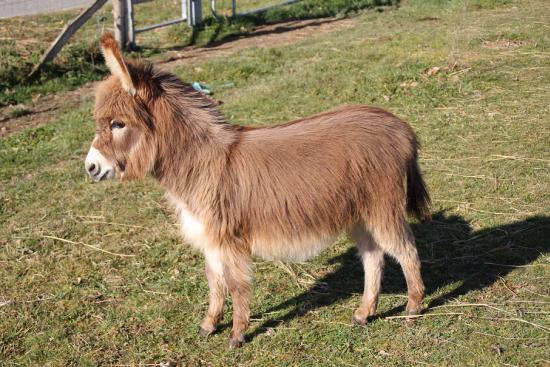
413,311
361,321
206,331
235,343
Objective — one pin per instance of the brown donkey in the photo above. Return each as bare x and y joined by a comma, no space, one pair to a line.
277,192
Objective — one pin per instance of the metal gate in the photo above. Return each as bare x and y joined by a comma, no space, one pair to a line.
234,11
191,13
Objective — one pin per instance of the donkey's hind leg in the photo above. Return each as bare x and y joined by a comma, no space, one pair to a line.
395,237
372,257
217,288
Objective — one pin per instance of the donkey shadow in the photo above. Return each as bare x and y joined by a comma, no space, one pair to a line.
451,253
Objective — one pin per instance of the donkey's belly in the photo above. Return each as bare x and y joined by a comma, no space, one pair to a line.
290,250
268,248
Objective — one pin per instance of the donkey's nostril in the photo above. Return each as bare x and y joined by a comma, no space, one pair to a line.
93,169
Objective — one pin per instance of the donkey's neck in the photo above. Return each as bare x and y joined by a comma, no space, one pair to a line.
194,144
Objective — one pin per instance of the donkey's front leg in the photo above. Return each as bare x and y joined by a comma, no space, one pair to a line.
238,277
216,284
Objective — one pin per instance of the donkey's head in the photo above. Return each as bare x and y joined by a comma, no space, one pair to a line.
124,144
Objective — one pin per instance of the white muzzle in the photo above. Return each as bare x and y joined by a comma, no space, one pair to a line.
97,166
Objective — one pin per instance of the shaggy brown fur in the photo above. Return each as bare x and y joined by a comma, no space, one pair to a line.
278,192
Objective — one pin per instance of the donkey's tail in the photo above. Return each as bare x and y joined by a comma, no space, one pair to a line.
418,199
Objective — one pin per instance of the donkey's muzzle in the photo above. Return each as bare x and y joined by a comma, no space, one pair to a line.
97,166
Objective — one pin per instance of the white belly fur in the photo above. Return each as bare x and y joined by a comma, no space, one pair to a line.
274,248
290,250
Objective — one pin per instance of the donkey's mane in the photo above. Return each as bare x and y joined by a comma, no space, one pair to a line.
183,98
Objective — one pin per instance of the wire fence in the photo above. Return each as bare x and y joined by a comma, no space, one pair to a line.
15,8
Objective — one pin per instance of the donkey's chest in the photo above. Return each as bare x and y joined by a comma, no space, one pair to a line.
193,229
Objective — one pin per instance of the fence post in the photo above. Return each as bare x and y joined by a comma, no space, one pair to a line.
120,14
194,13
131,41
185,10
67,32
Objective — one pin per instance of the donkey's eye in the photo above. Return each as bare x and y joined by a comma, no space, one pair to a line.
117,124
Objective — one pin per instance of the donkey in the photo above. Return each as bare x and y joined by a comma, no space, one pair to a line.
276,192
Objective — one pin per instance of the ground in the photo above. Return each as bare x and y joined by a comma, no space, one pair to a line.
97,274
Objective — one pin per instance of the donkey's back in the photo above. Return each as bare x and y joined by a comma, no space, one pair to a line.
297,185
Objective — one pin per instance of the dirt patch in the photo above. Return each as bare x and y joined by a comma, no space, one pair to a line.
427,19
44,110
267,36
501,44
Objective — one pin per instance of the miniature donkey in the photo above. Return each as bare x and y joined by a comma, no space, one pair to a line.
277,192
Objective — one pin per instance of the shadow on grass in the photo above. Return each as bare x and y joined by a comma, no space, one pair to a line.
451,253
281,29
215,31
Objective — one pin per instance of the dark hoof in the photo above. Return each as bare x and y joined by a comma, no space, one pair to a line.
413,312
357,321
206,332
235,343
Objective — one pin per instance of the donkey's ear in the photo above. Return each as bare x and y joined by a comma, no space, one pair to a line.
115,62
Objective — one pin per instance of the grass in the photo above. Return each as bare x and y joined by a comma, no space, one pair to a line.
482,120
81,62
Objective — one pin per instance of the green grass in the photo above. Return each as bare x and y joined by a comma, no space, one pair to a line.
483,123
